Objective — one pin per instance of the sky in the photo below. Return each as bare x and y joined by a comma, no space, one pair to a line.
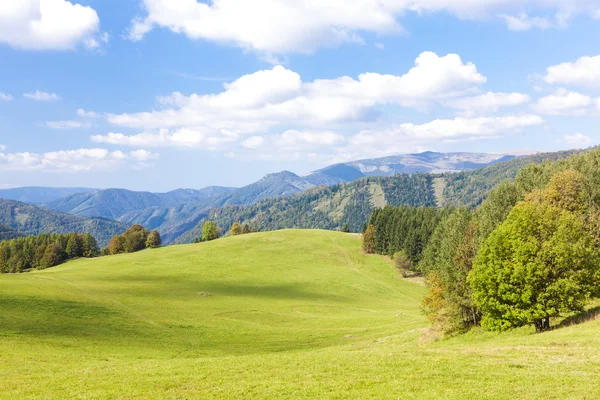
163,94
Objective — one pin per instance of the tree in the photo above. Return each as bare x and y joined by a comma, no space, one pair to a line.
236,229
368,244
53,255
539,263
74,246
153,240
134,241
446,263
116,245
346,228
90,246
210,231
402,263
246,229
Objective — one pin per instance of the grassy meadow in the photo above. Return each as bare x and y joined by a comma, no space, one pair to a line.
283,315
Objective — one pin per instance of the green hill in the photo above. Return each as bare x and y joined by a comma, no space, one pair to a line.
285,314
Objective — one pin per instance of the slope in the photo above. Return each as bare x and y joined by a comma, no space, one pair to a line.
287,314
39,195
31,220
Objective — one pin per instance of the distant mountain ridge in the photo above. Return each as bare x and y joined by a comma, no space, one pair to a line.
177,212
429,161
40,195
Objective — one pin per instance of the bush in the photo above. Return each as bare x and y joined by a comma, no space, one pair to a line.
403,263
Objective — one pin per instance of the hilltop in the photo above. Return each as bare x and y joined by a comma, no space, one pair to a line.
283,314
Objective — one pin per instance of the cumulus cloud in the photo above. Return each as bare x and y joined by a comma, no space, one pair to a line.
271,26
87,114
5,97
47,24
584,72
268,99
41,96
446,129
567,103
577,140
73,160
274,113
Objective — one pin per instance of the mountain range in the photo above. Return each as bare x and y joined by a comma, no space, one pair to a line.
337,192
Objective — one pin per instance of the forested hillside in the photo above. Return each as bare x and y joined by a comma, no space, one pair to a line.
7,233
31,220
351,203
529,254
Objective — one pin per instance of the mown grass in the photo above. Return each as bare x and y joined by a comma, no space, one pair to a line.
288,314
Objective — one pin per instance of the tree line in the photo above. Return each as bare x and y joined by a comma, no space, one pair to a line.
528,254
134,239
45,251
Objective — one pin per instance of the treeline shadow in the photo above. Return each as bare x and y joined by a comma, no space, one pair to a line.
586,316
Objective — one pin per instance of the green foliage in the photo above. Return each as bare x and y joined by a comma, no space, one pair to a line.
346,228
446,263
236,229
539,263
496,207
245,229
116,245
90,246
210,231
42,251
405,229
74,246
153,240
369,239
402,263
134,239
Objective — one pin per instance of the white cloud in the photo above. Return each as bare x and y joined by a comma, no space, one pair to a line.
68,124
276,26
584,72
457,128
266,99
73,160
380,46
2,147
41,96
567,103
87,114
184,137
46,24
253,142
524,22
5,97
293,138
578,140
488,102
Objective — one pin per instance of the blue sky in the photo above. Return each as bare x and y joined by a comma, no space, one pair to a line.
160,94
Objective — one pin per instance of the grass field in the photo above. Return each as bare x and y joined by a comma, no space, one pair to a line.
287,314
